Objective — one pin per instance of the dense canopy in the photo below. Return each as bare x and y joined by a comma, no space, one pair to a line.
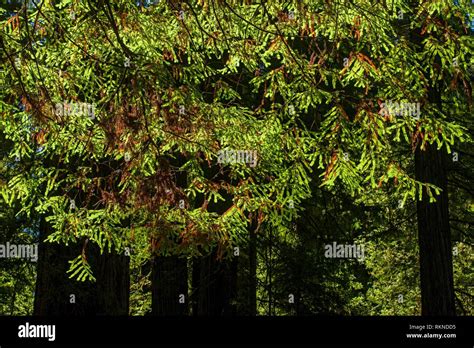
217,149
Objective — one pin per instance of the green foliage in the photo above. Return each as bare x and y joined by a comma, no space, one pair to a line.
301,83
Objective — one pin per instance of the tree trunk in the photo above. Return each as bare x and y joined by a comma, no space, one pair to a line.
252,290
113,284
57,295
214,286
436,267
169,286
